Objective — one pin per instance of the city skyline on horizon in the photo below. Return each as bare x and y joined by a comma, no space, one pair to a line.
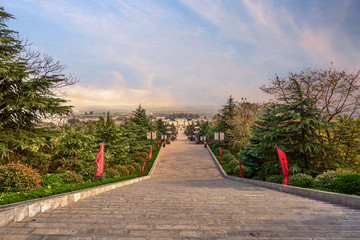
185,53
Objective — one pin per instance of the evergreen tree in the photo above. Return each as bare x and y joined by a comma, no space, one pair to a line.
116,143
140,118
28,84
297,127
135,136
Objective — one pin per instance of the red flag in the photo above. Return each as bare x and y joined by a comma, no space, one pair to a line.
220,155
150,156
100,160
143,167
284,164
241,173
208,140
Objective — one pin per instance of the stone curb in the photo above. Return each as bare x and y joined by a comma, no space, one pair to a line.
336,198
21,210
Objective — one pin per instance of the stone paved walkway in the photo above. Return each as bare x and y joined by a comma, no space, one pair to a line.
188,199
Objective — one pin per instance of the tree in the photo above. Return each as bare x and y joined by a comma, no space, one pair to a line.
117,145
29,89
245,114
140,118
297,127
346,141
335,92
160,126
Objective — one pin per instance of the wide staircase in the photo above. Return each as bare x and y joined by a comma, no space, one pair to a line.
187,198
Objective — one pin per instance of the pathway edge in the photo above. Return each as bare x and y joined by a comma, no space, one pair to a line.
335,198
30,208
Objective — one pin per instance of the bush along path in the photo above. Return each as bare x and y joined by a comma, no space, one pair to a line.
52,184
338,181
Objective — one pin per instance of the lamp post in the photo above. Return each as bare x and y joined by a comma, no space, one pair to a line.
197,134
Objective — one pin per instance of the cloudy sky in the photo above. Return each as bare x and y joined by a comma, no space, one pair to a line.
186,52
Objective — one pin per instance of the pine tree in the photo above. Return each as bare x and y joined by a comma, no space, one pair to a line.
116,142
28,84
296,126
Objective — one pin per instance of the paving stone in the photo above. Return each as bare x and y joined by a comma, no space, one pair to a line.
187,198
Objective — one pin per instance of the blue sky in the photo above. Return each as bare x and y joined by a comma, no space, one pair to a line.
186,52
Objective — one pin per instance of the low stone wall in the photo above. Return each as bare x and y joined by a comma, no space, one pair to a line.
21,210
336,198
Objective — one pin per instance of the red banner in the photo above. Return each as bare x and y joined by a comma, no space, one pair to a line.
208,140
100,160
150,156
220,154
284,164
143,166
241,173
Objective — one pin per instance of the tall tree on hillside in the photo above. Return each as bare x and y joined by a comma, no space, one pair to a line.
29,89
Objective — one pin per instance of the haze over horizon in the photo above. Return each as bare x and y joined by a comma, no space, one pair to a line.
186,53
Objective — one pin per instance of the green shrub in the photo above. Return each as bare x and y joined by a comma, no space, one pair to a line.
88,173
232,164
131,169
16,176
228,157
140,156
51,179
259,177
324,180
275,179
122,170
348,183
70,177
111,172
304,182
293,178
225,152
136,166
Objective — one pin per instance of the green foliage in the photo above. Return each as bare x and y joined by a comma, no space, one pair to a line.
117,145
50,180
123,170
111,172
88,173
275,179
6,198
29,82
259,178
325,179
18,177
347,183
73,149
296,126
346,142
228,157
293,178
232,164
70,177
304,182
225,152
131,169
136,166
